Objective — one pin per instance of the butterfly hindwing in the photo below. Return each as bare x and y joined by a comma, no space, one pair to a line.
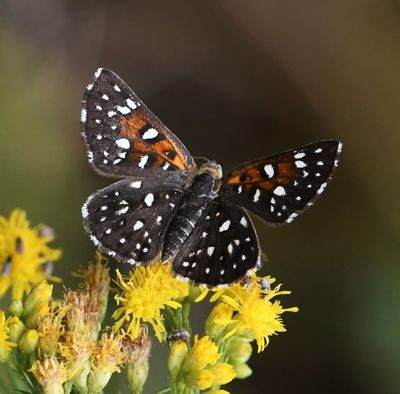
128,219
280,187
125,139
222,249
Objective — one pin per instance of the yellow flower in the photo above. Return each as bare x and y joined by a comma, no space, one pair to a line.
24,254
217,392
203,353
145,293
223,373
201,368
5,344
256,316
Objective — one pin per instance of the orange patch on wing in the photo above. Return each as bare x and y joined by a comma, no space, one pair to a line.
131,126
164,146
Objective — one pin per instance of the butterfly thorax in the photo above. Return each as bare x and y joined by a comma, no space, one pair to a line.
193,209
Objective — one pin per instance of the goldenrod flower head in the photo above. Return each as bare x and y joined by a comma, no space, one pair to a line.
203,353
107,357
221,311
108,353
29,341
137,353
256,316
24,254
96,280
223,373
217,392
36,304
16,328
81,330
50,329
5,344
199,380
145,293
82,313
51,374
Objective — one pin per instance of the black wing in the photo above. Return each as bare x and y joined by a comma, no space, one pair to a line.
128,219
280,187
125,139
222,249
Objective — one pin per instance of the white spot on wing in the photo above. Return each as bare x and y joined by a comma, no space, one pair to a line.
123,143
98,72
149,199
111,113
269,170
83,115
321,188
105,97
116,88
257,195
210,250
299,155
138,225
225,226
123,210
300,164
136,184
243,222
131,103
279,191
143,161
123,110
150,134
318,150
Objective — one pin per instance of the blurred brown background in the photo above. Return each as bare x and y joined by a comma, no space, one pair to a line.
234,80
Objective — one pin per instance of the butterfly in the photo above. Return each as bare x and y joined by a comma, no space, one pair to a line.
164,206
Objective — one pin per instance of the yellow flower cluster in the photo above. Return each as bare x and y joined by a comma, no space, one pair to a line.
248,310
146,292
199,368
25,257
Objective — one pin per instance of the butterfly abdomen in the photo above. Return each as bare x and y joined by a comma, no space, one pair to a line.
191,211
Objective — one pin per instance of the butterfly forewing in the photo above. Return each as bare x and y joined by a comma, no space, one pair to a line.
280,187
128,219
125,139
222,249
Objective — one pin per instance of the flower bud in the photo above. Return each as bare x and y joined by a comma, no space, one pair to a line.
137,360
177,355
243,371
36,304
239,350
15,308
29,341
16,328
220,312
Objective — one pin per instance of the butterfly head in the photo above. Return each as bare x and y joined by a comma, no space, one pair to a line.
212,168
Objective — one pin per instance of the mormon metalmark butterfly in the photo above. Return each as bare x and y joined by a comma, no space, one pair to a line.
165,206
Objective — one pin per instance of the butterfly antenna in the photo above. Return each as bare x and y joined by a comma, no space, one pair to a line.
201,158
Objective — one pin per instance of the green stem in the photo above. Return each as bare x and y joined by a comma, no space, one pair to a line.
167,390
